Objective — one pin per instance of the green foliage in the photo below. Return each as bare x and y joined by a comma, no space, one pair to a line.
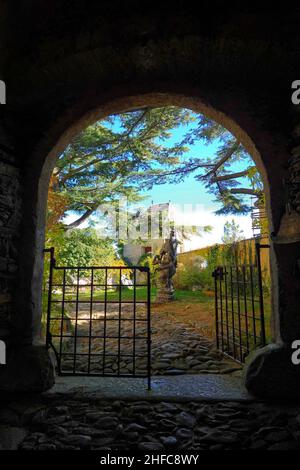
82,247
104,162
115,156
188,278
217,172
147,260
232,233
192,275
230,151
85,247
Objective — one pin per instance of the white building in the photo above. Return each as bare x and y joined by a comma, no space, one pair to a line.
163,217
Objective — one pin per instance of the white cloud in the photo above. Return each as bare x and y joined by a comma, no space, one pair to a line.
196,215
199,215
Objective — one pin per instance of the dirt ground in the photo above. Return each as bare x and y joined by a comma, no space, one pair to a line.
198,315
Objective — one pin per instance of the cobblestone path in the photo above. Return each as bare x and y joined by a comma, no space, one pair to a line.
69,424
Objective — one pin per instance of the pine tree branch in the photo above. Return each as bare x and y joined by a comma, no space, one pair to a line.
82,218
230,176
252,192
80,168
224,159
136,123
109,142
182,170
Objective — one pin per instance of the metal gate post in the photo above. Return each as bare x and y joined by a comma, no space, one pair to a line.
216,276
149,327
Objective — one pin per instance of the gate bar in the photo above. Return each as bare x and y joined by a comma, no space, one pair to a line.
149,328
216,307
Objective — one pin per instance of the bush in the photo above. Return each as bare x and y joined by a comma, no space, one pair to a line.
82,247
187,278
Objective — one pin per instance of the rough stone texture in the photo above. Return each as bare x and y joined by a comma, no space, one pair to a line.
66,67
210,387
115,425
11,437
178,346
28,369
165,268
263,379
9,224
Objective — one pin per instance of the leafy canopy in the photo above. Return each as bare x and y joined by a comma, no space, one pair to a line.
122,154
104,162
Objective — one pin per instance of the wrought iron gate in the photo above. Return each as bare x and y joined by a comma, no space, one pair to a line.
239,307
98,320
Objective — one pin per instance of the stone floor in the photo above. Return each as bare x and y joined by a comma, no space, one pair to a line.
75,424
185,411
200,387
178,345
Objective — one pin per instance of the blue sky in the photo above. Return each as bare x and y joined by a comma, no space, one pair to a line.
191,191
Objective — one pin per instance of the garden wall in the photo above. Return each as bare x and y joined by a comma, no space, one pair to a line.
194,268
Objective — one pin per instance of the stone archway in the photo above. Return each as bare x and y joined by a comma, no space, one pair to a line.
66,87
117,106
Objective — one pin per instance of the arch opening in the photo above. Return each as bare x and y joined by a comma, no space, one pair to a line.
126,105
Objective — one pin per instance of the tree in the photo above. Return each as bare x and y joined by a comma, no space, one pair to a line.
86,248
232,233
104,162
231,188
82,247
117,156
58,203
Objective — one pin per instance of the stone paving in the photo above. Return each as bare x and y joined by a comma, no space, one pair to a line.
200,387
76,420
178,347
69,424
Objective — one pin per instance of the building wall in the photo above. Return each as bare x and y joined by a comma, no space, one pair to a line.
132,252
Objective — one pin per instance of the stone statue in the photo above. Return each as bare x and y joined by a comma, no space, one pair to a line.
166,264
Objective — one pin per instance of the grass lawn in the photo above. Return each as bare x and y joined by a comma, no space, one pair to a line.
127,294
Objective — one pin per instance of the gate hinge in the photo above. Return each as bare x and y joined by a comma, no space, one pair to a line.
218,273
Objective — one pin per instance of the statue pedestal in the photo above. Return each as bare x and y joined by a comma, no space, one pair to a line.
165,264
164,295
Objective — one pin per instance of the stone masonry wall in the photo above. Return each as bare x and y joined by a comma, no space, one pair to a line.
9,223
